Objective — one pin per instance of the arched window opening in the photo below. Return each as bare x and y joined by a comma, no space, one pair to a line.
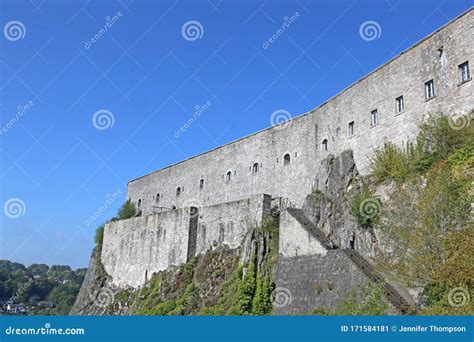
178,191
286,159
157,198
201,184
228,176
139,204
325,145
255,168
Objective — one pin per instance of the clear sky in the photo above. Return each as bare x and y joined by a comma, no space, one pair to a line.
81,117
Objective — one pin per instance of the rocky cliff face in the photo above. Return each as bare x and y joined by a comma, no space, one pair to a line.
95,292
328,207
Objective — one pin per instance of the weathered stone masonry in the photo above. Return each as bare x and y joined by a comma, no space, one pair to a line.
136,248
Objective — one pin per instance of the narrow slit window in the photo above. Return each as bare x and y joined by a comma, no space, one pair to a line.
256,168
374,117
325,145
351,129
464,72
400,104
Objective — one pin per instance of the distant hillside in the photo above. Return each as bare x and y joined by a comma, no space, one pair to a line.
38,289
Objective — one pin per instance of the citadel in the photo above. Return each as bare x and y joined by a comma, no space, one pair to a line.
214,198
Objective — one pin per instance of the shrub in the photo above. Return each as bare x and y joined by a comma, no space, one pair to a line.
245,291
390,163
99,236
366,207
451,291
436,141
262,301
461,160
126,211
438,137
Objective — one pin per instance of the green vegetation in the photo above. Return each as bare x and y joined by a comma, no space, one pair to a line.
364,300
367,299
365,207
43,290
451,292
428,220
436,141
126,211
99,237
399,163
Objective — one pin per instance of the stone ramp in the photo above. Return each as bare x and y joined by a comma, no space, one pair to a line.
392,295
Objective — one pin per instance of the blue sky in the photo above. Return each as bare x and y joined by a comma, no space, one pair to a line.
143,78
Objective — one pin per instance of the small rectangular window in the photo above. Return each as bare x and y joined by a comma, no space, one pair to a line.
351,129
429,89
374,117
400,104
464,72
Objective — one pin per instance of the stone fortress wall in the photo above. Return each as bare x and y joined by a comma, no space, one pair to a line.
227,184
136,248
436,58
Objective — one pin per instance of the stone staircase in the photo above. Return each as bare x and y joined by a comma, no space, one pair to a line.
393,296
390,292
299,215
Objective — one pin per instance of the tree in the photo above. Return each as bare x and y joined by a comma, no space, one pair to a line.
126,211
